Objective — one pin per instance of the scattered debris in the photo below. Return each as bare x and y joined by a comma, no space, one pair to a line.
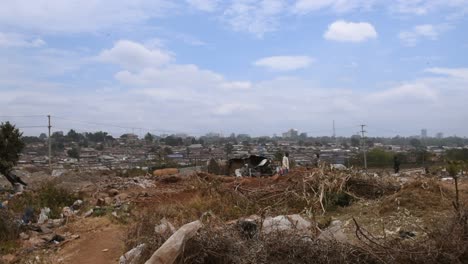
133,255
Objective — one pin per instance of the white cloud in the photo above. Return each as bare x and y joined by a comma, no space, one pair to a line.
256,17
413,36
74,16
340,6
423,7
238,108
204,5
132,55
237,85
18,40
452,72
344,31
284,63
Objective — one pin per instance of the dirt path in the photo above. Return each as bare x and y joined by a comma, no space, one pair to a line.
100,242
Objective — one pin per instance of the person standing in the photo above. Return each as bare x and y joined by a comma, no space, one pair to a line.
396,164
285,165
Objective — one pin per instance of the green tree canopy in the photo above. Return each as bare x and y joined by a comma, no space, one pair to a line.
11,146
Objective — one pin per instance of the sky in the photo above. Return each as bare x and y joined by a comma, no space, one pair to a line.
244,66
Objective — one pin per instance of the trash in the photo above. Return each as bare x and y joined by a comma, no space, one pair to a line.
406,234
299,222
133,255
164,227
57,239
58,173
43,216
77,204
171,249
89,213
67,212
339,167
54,223
105,250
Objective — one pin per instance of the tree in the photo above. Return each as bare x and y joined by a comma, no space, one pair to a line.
149,138
43,136
74,153
228,148
355,141
11,146
416,143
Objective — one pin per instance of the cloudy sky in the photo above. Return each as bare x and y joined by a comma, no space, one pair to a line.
243,66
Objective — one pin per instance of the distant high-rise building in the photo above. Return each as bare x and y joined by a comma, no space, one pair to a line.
440,135
424,133
292,133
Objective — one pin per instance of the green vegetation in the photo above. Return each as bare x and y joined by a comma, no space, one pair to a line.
11,146
47,195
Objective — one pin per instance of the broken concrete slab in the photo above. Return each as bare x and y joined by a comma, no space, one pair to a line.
133,255
173,247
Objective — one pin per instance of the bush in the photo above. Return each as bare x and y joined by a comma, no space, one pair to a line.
47,195
9,231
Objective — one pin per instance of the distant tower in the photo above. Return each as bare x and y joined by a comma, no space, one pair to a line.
440,135
424,133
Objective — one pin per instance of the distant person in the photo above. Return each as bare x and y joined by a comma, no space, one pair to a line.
317,159
396,164
285,164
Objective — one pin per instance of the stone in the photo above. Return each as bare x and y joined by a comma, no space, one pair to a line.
334,232
107,201
173,247
278,223
45,230
113,192
133,255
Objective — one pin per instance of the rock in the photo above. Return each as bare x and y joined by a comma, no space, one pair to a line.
44,215
45,230
171,249
278,223
24,236
334,232
102,195
113,192
164,227
299,222
34,241
89,213
133,255
122,196
58,173
105,250
107,201
77,204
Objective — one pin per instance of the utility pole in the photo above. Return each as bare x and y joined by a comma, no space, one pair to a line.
363,143
334,134
50,145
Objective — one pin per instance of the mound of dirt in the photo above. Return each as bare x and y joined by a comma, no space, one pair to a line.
418,196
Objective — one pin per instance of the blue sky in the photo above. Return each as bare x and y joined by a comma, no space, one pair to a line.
245,66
